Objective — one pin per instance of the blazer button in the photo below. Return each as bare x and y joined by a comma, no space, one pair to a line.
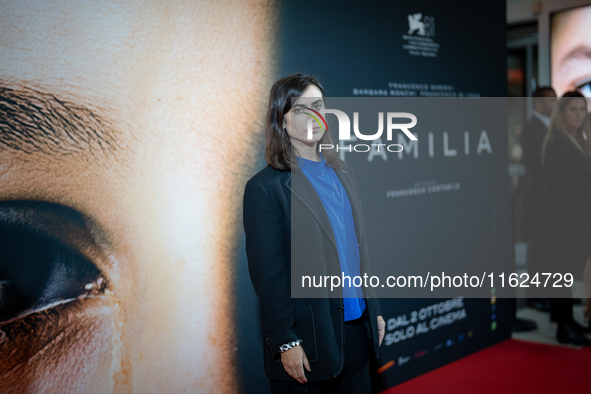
341,309
334,251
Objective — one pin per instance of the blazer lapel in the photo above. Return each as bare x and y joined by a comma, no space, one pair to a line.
300,187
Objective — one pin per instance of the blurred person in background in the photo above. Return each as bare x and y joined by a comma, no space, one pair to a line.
587,279
566,157
532,140
587,271
570,51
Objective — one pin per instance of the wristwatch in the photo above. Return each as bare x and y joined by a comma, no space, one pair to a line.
289,345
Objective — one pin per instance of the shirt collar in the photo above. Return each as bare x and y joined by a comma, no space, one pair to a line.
543,118
301,160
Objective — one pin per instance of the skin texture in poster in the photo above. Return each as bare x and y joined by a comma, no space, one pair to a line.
127,134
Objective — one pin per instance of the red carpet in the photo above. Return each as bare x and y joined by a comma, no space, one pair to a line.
510,367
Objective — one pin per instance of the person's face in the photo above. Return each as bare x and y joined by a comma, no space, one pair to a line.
571,51
545,105
122,169
574,114
296,120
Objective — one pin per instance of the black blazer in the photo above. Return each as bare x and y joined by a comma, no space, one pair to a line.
319,322
567,173
532,141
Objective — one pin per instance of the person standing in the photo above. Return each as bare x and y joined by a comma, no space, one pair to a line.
566,157
534,132
303,210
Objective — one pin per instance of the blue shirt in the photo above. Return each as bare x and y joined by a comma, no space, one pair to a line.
337,206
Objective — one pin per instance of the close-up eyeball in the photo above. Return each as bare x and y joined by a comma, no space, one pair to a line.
58,317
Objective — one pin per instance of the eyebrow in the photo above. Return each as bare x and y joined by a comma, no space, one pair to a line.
580,52
33,121
303,106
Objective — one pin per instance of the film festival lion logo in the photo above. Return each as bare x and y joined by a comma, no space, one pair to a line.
424,27
418,41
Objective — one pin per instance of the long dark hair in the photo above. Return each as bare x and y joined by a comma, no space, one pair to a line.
279,152
557,125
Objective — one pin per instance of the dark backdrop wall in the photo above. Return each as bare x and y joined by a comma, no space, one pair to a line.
399,49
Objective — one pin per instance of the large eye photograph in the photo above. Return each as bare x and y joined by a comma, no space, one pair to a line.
39,270
156,158
127,131
570,48
56,312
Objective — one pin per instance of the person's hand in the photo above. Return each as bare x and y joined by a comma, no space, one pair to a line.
381,329
293,360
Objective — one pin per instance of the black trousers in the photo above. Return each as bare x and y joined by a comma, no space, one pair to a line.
571,248
571,235
561,310
354,378
540,248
